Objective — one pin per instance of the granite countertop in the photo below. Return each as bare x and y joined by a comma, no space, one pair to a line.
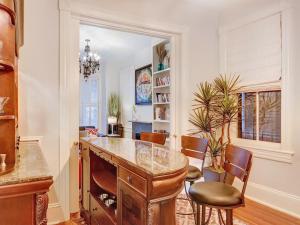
152,158
30,166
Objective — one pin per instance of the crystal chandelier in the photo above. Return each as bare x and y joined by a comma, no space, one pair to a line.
89,62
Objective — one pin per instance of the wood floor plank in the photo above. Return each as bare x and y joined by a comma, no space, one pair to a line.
258,214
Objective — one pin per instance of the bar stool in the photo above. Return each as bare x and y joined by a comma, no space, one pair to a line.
157,138
220,195
196,148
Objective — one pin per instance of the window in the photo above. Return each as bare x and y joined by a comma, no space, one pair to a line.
89,102
259,116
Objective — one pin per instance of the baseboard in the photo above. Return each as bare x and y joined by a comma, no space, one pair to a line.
274,198
37,139
55,214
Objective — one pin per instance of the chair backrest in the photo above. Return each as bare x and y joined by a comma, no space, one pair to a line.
194,147
157,138
238,162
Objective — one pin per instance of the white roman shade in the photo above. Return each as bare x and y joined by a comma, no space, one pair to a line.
254,50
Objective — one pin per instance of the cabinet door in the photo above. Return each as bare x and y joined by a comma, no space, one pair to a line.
85,178
98,216
132,207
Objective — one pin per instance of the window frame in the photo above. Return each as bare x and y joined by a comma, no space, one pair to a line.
90,104
264,149
283,152
257,88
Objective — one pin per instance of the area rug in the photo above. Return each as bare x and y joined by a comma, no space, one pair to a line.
184,206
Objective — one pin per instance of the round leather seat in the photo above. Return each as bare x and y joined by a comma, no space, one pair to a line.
194,173
215,193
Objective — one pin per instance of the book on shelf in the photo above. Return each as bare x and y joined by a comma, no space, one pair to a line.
162,97
162,81
162,113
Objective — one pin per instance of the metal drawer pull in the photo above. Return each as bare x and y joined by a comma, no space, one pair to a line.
129,179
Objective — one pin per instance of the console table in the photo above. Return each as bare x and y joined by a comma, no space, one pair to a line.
142,180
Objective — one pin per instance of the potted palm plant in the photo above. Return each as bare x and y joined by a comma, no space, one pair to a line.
113,109
215,108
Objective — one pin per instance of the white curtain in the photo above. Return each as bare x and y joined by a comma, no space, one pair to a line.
89,101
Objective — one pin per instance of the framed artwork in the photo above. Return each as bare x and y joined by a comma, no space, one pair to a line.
143,85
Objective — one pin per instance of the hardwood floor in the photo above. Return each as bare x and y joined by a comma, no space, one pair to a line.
253,214
258,214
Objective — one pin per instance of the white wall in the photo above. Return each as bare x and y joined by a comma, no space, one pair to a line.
110,76
39,84
271,182
140,58
39,67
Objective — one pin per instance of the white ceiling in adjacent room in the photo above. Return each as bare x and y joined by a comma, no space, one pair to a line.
113,44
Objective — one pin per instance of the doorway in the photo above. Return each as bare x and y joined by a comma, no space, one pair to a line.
70,22
123,77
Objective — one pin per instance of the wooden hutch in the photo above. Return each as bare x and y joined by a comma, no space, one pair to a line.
11,38
25,180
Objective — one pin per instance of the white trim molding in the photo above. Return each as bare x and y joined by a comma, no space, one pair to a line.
266,150
54,213
274,198
282,152
32,139
71,16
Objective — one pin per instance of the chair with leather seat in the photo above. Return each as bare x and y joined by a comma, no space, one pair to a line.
196,148
157,138
221,195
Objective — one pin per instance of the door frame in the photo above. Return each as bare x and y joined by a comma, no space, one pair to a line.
71,16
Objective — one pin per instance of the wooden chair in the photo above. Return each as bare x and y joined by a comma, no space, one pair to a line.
196,148
220,195
157,138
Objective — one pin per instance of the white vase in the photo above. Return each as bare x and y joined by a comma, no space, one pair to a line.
3,157
112,120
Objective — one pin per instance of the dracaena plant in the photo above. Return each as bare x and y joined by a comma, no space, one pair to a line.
114,106
215,108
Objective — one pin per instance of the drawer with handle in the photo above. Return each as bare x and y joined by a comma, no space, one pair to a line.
135,181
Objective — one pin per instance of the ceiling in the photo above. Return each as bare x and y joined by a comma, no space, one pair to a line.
113,44
184,12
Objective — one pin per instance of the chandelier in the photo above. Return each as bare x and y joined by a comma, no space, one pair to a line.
89,62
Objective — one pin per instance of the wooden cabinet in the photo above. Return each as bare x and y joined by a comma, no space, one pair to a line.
85,178
137,195
132,206
24,203
8,83
133,180
98,216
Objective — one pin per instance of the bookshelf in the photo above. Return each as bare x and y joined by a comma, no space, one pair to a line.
161,90
9,46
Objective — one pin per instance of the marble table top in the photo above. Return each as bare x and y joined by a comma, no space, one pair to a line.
30,166
152,158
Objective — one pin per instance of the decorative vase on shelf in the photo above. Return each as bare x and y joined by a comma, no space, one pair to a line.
3,101
160,66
